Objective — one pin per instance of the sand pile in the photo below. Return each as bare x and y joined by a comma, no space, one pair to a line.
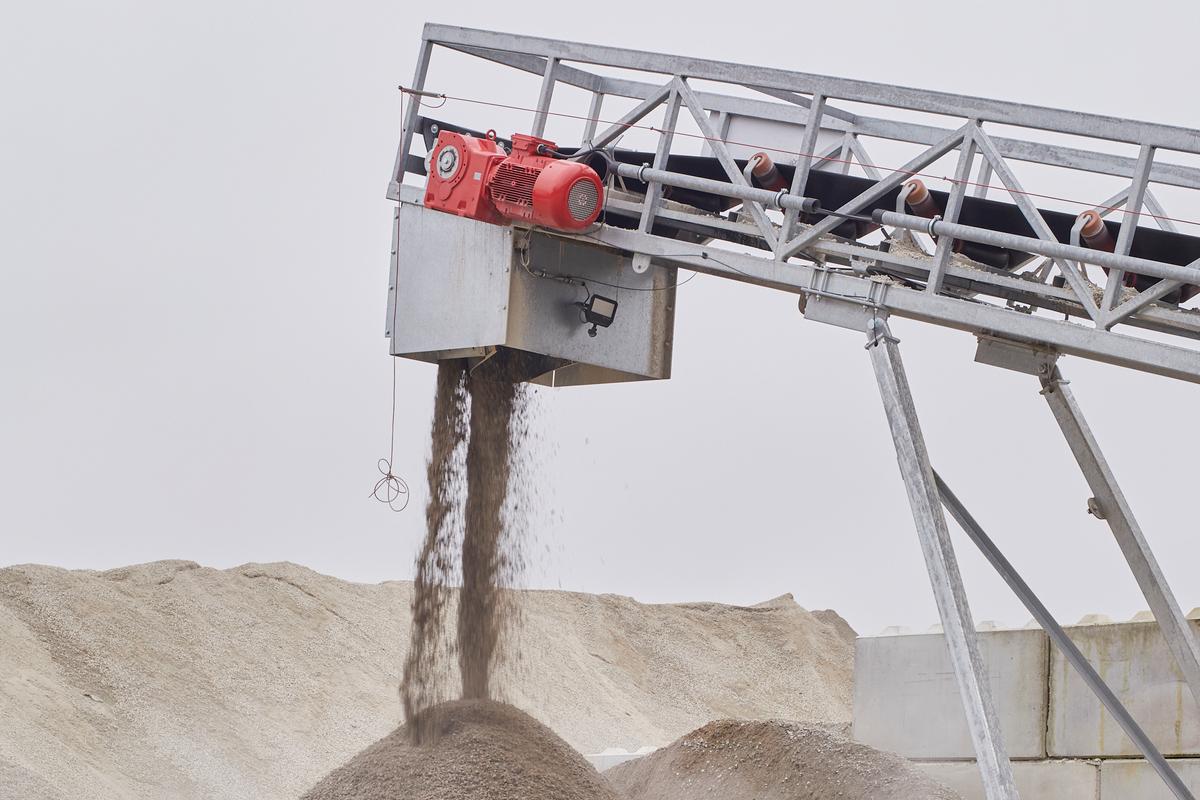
471,750
176,680
643,675
737,760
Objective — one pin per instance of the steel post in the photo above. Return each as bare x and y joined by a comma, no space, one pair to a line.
923,497
1133,211
958,190
593,119
409,122
641,261
544,97
808,143
1114,509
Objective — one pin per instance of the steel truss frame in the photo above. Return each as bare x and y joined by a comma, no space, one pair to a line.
1024,320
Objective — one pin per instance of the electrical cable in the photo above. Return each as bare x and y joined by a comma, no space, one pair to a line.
391,489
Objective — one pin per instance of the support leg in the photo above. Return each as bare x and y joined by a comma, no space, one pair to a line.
948,591
1111,506
1061,640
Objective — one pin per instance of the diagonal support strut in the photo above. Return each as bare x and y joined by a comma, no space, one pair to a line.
1114,509
923,497
1060,639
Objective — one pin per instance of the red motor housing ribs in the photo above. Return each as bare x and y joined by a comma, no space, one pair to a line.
475,178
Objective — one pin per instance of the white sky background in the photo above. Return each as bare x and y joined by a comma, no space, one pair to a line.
193,257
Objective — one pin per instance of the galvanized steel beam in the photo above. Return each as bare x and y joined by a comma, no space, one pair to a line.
805,102
1038,117
409,122
958,191
631,117
877,191
716,144
1114,509
808,142
1146,355
1033,216
540,116
896,130
641,261
973,684
1133,210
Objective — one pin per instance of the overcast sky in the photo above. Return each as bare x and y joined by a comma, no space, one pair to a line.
193,258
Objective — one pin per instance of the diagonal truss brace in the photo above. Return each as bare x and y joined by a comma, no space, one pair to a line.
1113,508
1111,316
632,117
805,102
717,143
982,719
1060,639
872,194
1069,269
1159,290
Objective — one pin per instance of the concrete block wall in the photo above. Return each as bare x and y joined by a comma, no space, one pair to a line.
1063,743
1061,780
1130,778
906,697
1134,662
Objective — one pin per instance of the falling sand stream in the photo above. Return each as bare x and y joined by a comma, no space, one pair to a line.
469,539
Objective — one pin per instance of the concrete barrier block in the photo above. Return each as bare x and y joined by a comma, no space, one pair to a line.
906,698
1137,780
1133,660
1036,780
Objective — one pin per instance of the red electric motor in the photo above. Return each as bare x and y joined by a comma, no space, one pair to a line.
475,178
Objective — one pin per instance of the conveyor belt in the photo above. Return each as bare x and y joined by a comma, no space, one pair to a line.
833,190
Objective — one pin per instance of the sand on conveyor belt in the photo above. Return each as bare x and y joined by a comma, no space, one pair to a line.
773,760
176,680
470,750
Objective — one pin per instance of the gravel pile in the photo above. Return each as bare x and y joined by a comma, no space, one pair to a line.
471,750
738,760
173,680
